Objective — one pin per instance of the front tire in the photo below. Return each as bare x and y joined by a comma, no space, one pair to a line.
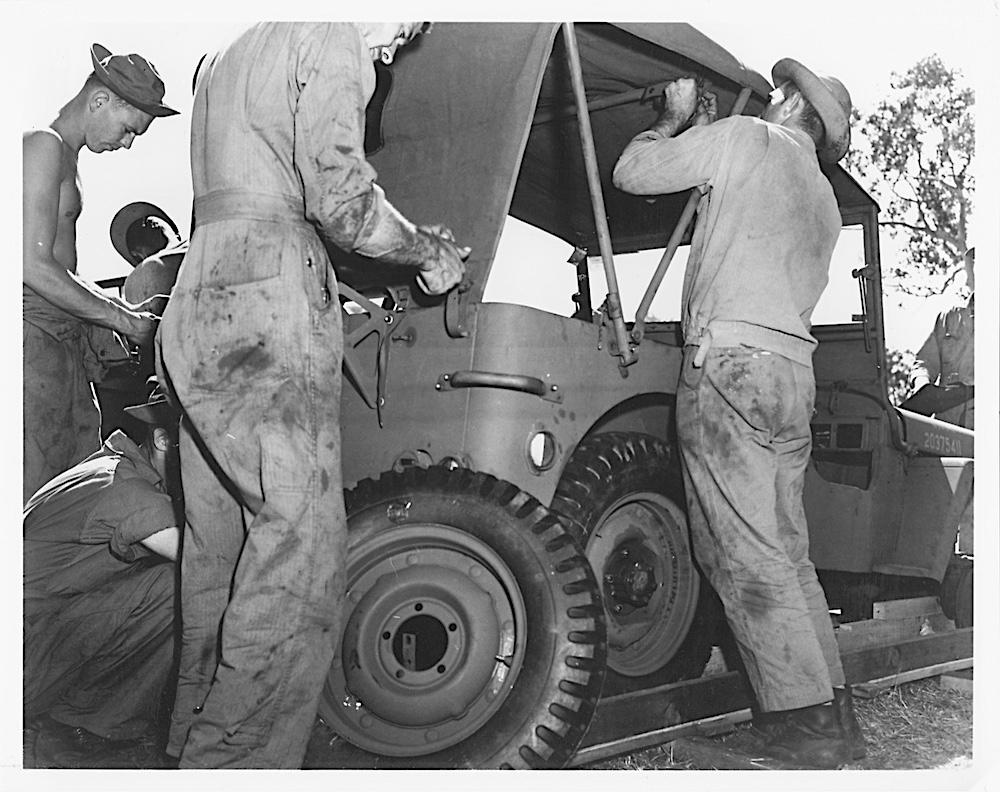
474,634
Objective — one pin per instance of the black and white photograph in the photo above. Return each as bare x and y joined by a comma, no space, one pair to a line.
519,389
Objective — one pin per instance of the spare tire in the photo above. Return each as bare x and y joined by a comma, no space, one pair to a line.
473,630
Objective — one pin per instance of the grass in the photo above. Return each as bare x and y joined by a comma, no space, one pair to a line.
919,725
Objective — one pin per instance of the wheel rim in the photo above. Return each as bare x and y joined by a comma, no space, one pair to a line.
430,648
639,551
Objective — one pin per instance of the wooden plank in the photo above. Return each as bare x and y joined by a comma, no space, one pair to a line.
873,687
630,743
898,609
927,650
668,705
873,632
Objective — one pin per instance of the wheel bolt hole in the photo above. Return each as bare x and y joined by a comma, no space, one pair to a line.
420,643
386,635
399,674
452,627
418,607
440,669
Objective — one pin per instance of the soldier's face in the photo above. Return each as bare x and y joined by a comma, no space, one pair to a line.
114,125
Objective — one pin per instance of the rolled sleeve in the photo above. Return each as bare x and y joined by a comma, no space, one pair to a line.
128,512
341,196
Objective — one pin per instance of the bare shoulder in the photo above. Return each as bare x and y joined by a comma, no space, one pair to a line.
45,154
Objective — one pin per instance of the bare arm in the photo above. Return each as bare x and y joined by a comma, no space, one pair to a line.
42,167
164,543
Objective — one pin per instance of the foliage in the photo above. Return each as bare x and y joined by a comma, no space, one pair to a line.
900,364
914,154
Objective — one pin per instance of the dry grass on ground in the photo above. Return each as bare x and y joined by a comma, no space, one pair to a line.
920,725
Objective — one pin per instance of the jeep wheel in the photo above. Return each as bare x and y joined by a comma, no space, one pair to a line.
473,631
620,495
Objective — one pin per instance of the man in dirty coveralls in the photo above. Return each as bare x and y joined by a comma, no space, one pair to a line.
64,314
99,594
251,343
759,261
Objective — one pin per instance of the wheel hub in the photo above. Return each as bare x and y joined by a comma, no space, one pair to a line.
429,650
630,577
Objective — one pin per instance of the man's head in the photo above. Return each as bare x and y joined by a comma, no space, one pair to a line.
820,105
384,38
122,96
161,419
140,229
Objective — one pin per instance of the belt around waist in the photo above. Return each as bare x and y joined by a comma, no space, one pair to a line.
247,205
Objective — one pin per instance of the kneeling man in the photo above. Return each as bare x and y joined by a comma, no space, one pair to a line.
99,587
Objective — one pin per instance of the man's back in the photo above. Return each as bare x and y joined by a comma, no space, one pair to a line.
82,528
245,131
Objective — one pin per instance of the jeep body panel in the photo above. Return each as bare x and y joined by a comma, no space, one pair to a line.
482,125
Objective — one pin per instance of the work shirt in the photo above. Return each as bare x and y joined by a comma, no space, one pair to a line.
948,357
765,233
84,527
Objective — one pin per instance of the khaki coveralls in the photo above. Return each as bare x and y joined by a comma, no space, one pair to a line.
251,343
759,261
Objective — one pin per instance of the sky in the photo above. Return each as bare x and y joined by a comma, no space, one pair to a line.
862,43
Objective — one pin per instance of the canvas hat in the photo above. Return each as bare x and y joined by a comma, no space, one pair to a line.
133,78
133,213
831,100
158,409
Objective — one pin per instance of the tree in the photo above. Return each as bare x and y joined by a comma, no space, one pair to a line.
899,364
914,154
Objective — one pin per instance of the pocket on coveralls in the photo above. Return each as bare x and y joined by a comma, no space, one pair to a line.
237,335
756,383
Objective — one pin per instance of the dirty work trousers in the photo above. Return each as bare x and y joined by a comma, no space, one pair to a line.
251,344
744,436
100,659
62,424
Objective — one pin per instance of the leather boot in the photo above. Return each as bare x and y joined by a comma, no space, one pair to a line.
843,702
809,737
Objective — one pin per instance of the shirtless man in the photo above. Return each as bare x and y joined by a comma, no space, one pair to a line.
117,103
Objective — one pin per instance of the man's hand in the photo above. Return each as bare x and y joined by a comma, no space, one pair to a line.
444,266
708,110
140,327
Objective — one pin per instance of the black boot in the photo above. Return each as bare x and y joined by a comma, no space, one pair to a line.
843,702
809,737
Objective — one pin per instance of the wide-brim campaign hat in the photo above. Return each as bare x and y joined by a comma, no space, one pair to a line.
133,213
831,100
158,409
133,78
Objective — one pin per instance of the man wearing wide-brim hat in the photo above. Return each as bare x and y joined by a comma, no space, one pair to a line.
116,104
767,225
99,594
